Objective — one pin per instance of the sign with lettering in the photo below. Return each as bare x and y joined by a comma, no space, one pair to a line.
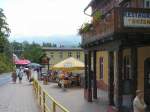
68,64
137,19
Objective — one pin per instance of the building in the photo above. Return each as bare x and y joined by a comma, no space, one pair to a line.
117,41
59,54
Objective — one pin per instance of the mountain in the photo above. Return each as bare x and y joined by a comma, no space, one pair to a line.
70,40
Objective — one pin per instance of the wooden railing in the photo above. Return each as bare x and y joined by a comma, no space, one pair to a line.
114,22
47,103
101,29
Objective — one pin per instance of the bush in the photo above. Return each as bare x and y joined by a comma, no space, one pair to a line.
5,64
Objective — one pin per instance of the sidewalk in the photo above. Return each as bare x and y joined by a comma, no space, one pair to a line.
18,98
73,99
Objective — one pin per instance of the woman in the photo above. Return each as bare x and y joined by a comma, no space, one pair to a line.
14,76
138,102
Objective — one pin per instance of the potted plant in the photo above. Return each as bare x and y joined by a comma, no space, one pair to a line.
97,16
86,27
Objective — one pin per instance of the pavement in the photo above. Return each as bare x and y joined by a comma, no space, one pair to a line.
18,97
73,99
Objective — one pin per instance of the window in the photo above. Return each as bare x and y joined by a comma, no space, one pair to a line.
126,68
61,54
78,54
127,5
146,3
101,62
69,54
52,54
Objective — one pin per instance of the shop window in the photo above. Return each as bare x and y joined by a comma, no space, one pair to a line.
101,63
146,3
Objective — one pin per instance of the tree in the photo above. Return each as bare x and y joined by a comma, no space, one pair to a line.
33,52
4,29
17,48
5,47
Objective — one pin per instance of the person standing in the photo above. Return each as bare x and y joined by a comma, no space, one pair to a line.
138,102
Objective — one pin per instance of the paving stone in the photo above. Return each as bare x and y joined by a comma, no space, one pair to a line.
18,97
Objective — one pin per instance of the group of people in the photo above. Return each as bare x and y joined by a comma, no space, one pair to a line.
19,72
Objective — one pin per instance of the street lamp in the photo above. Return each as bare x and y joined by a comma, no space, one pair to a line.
45,61
48,59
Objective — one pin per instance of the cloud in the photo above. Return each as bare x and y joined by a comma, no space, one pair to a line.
45,17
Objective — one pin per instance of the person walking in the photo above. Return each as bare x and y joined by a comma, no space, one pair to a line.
20,74
138,102
14,76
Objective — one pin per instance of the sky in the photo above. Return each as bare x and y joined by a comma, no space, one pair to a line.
43,20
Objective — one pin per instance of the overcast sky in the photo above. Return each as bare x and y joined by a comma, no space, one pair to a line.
44,18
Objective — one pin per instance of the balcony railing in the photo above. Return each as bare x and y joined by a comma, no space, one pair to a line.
119,20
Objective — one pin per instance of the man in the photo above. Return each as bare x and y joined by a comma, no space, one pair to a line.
138,102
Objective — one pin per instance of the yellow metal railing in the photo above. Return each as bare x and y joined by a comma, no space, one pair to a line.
47,103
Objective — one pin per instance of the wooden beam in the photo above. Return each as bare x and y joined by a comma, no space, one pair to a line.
119,77
86,71
134,68
85,75
94,76
89,78
111,78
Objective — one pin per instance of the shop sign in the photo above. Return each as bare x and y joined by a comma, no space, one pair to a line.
136,19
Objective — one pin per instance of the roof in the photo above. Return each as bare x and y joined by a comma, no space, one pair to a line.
61,49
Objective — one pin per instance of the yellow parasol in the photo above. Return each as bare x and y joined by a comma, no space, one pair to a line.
69,64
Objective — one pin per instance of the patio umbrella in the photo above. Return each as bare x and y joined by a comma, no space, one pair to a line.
69,64
34,65
22,62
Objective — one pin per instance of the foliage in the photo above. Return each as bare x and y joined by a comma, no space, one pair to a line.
85,28
33,52
4,29
48,45
6,52
5,64
97,16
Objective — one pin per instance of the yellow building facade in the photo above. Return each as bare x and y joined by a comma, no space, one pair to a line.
59,54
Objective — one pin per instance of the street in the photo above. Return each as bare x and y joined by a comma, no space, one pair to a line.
5,78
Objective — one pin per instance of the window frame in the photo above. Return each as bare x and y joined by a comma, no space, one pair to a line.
145,3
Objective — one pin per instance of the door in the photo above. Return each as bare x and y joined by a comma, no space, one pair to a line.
147,81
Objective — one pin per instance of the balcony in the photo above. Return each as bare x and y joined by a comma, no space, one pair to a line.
119,20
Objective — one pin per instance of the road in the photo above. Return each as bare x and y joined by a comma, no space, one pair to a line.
5,78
